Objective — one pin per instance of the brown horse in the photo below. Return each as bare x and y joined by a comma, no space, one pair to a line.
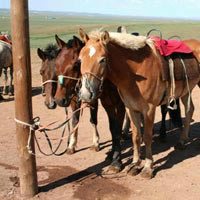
48,73
134,65
68,71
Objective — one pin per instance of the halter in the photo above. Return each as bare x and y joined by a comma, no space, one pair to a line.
61,77
45,82
99,79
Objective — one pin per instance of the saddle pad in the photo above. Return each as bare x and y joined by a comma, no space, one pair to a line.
5,39
167,47
191,65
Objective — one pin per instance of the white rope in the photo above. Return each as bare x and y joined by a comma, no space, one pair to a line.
49,81
28,146
68,77
173,86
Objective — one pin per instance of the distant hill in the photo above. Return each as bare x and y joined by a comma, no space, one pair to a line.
6,12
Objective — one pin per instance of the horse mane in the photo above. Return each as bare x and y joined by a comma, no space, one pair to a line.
51,51
126,40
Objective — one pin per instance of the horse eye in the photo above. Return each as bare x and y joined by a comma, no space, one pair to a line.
102,60
41,72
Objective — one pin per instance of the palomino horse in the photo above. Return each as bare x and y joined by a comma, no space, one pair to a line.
5,63
134,65
68,71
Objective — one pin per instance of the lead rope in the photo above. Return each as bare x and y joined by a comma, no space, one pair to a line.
35,126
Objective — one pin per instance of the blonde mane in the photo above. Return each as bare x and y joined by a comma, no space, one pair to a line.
125,40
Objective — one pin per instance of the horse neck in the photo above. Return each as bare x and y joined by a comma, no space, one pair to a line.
123,61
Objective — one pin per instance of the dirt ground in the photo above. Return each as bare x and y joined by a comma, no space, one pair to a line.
84,175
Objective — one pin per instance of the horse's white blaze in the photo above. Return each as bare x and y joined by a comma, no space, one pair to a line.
84,91
92,51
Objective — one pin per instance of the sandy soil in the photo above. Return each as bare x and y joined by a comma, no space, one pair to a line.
84,174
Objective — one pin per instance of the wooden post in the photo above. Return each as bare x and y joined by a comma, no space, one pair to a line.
23,95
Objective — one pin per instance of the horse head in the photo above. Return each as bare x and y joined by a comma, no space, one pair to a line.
48,73
94,65
68,70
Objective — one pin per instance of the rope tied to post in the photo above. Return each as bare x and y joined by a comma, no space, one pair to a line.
36,126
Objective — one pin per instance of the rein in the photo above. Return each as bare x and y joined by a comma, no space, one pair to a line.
35,126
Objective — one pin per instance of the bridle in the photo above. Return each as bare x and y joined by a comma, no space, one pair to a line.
45,82
95,76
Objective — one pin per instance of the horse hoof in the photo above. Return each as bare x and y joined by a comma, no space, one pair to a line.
133,170
162,139
180,146
114,169
70,151
1,98
147,173
10,94
95,148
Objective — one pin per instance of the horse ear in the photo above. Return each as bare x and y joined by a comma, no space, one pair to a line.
121,29
105,38
41,54
75,42
84,37
60,42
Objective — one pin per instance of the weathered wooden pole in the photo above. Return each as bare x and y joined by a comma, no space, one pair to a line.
23,95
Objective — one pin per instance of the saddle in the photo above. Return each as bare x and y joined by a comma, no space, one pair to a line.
4,39
182,57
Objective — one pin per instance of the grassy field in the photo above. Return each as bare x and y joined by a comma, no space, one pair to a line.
44,26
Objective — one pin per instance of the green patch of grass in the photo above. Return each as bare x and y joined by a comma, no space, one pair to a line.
43,30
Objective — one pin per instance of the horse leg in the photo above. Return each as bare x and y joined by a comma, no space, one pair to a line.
175,115
135,118
5,80
147,171
126,127
164,110
93,121
10,90
75,121
188,116
115,112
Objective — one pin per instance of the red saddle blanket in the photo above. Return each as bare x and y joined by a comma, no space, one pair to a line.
2,37
167,47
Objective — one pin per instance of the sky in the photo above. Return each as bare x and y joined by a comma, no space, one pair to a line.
187,9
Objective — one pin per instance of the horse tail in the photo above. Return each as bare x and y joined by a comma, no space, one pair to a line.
175,115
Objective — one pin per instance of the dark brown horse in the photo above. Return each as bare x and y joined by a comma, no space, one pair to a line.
48,73
134,65
68,71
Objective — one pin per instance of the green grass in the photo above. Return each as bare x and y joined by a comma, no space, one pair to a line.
43,30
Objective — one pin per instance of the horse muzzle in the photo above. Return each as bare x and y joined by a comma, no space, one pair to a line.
52,105
88,94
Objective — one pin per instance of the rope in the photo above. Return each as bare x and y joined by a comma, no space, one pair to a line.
61,77
173,86
35,126
49,81
186,77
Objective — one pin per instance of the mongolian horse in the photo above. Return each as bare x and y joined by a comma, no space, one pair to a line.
5,63
136,67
